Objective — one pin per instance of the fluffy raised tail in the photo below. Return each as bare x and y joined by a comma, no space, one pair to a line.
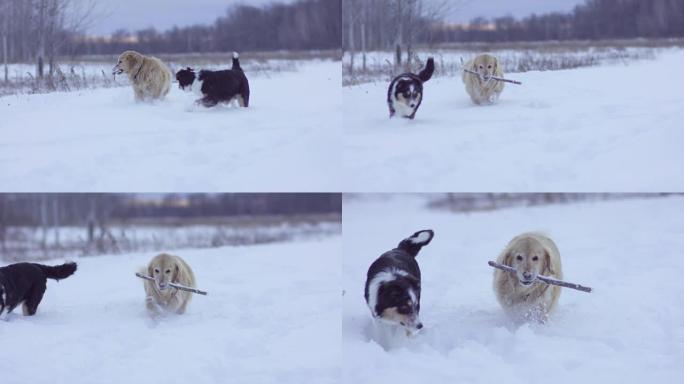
58,272
236,62
415,242
429,69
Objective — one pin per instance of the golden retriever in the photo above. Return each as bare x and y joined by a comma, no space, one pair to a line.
150,77
165,269
531,254
482,88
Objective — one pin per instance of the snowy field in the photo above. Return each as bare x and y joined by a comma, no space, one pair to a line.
101,140
615,127
629,330
272,316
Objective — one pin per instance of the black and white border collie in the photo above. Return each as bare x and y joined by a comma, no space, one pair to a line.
216,87
393,285
405,92
25,283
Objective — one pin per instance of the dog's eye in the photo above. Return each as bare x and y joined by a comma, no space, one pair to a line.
519,258
489,66
168,271
156,270
535,258
481,67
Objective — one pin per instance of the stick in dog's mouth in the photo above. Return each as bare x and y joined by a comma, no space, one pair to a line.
174,285
543,279
410,330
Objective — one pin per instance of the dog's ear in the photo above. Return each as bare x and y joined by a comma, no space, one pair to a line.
179,275
547,262
176,273
149,270
508,258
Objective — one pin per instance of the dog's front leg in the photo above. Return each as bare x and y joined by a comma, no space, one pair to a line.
5,314
153,307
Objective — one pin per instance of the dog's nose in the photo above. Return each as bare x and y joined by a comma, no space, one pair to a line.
527,275
419,326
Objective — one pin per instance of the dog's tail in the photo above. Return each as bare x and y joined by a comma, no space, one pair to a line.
236,62
58,272
427,72
415,242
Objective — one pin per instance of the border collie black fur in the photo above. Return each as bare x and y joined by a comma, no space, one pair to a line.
405,92
25,283
217,87
393,283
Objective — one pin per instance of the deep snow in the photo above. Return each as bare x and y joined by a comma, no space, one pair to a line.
101,140
609,128
629,330
272,315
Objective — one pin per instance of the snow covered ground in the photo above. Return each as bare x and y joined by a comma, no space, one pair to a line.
101,140
610,128
629,330
272,316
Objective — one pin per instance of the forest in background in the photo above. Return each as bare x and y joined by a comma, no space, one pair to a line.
401,25
594,20
39,225
43,31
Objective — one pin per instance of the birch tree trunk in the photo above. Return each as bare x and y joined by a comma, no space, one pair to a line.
364,16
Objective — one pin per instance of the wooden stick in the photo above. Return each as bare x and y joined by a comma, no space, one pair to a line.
174,285
493,77
545,279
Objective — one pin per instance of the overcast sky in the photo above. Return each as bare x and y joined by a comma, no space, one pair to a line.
466,10
164,14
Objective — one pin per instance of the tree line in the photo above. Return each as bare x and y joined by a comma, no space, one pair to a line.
594,20
32,223
60,209
302,25
401,24
41,31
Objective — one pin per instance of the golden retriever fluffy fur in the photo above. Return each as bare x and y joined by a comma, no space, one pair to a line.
483,89
165,269
150,77
531,254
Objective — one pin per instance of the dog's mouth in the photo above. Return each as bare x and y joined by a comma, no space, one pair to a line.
526,282
415,327
117,71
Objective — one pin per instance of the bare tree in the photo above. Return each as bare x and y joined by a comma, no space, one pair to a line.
395,24
37,30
